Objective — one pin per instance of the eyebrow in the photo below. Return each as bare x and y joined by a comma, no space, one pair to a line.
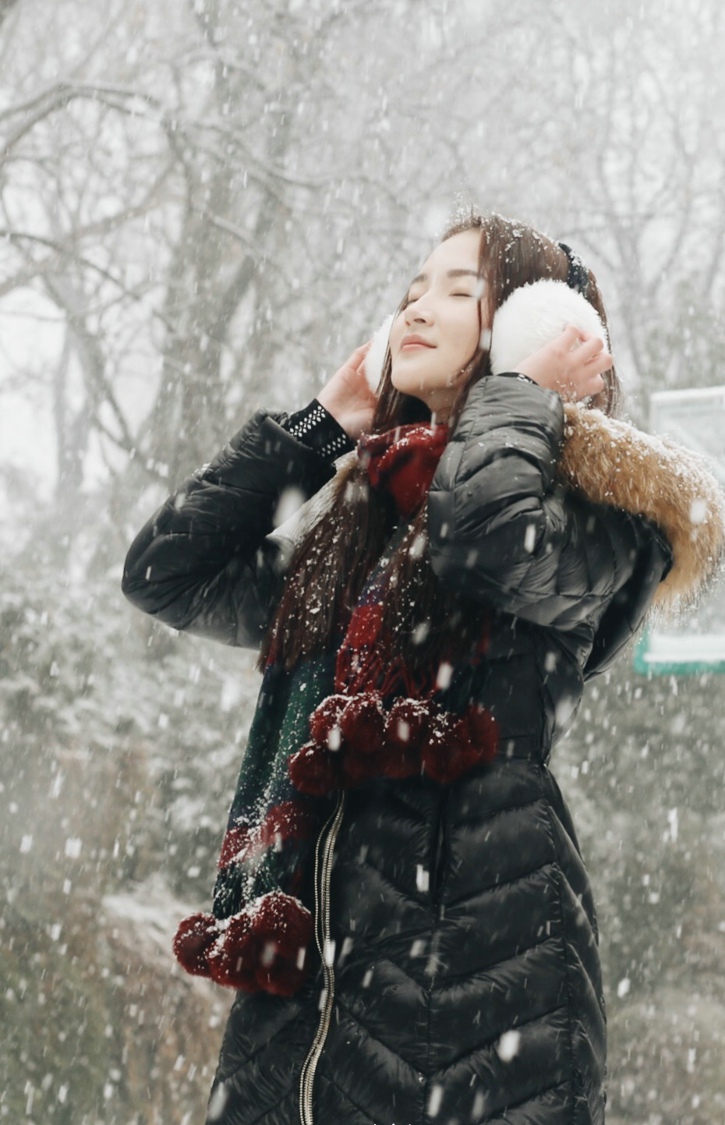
449,273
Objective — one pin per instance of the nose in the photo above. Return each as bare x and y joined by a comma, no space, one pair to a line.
418,311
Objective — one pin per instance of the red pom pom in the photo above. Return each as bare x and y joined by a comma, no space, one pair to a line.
313,770
192,942
408,722
482,731
325,721
284,930
448,752
405,730
401,762
264,947
233,957
359,768
363,724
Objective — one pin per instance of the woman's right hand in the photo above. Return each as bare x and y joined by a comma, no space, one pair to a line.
572,365
348,397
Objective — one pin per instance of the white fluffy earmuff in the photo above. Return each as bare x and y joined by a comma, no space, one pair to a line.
534,315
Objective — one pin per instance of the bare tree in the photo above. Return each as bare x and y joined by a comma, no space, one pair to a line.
257,202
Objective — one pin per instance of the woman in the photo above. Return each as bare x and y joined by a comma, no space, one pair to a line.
401,901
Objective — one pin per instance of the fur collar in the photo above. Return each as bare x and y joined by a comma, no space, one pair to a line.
611,462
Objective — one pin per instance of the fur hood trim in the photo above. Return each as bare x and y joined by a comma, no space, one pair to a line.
612,462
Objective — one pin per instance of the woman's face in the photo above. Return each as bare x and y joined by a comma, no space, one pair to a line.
437,333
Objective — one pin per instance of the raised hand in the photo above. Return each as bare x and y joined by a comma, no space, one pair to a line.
348,397
572,364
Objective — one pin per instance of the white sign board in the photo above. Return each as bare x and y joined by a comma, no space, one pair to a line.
696,419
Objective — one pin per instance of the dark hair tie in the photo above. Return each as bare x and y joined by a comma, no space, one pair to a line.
577,276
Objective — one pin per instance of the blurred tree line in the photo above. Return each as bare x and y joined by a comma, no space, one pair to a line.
204,206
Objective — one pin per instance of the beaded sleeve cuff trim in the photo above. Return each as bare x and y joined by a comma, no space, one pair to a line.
315,427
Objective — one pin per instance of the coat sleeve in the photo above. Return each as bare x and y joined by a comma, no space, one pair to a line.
207,560
502,531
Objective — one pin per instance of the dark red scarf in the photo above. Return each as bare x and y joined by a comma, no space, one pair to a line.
371,719
383,721
403,462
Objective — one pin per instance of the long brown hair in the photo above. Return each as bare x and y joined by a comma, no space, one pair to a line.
330,564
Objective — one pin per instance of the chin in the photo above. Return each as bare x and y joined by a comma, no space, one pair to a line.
411,382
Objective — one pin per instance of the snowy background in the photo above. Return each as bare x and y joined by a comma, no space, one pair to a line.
205,205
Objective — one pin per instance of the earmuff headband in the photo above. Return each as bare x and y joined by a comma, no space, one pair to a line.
577,276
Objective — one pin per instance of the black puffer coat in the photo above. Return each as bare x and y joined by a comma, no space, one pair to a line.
463,983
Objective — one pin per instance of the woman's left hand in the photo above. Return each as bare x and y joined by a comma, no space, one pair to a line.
572,365
348,396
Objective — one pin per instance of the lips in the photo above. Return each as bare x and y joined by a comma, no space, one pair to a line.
415,342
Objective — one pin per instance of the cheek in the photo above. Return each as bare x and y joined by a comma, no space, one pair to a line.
468,333
396,331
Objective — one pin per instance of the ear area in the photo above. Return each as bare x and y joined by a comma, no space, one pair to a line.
375,358
534,315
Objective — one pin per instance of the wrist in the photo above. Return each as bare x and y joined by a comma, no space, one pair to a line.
318,429
335,409
520,375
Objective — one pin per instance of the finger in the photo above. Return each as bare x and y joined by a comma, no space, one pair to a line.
363,349
602,362
571,335
589,349
595,386
357,358
596,364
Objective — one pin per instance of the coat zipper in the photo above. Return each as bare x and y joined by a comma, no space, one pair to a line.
322,937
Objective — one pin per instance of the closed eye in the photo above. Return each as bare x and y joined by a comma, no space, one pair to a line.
415,296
